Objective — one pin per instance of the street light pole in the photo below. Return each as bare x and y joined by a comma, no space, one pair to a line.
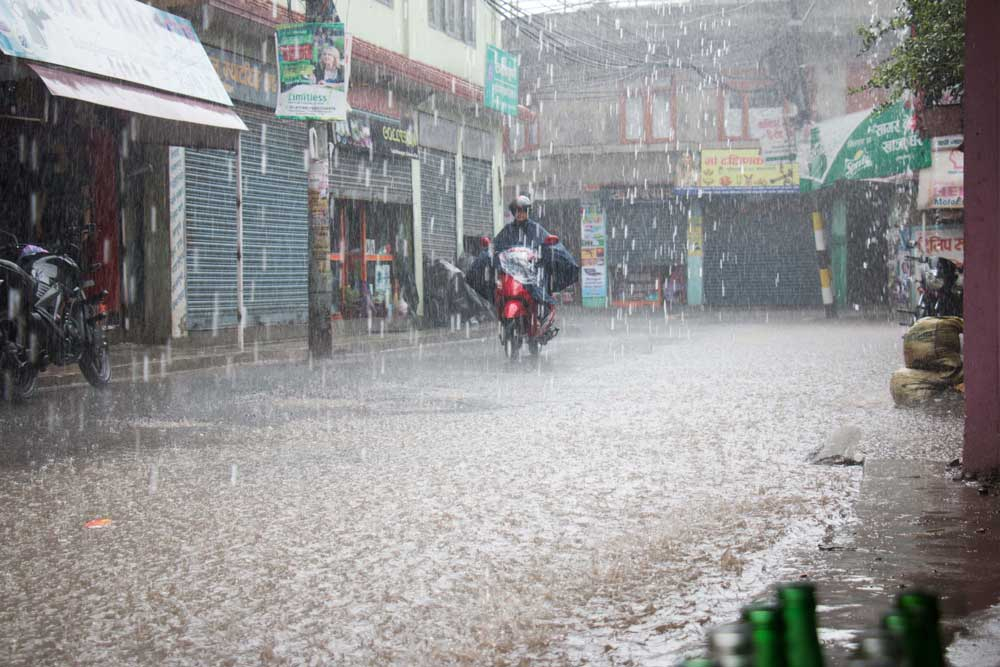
320,278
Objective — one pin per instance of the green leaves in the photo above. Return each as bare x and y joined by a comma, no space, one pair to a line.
928,56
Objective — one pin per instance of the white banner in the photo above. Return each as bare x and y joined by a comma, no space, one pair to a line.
118,39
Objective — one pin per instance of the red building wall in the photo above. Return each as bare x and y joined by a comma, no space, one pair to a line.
982,232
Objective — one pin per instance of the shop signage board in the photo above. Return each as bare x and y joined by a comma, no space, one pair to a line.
593,257
117,39
245,79
943,184
743,171
382,136
314,71
947,242
500,91
864,146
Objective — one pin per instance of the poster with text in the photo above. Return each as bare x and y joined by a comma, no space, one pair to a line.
593,257
314,70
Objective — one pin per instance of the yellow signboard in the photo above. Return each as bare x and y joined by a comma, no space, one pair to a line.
739,170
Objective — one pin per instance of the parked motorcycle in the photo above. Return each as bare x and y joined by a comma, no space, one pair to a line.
47,318
520,272
941,291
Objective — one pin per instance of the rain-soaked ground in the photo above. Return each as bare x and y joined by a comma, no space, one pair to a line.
605,503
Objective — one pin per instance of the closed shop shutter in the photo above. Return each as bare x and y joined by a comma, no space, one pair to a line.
759,254
477,197
438,208
360,175
275,227
647,234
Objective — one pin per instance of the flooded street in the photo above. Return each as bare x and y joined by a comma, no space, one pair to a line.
606,503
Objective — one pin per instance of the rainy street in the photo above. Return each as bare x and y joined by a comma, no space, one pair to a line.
603,504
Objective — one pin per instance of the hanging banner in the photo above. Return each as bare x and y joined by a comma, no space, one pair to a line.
772,129
314,70
593,257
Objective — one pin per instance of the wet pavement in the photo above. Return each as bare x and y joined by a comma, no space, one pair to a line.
604,504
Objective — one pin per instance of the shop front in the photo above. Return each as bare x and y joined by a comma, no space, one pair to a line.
647,248
87,130
372,225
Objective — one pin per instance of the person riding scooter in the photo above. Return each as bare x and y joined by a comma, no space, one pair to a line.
525,232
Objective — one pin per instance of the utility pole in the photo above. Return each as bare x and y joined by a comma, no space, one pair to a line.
815,216
320,278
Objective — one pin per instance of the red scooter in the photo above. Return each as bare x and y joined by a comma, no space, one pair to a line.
520,268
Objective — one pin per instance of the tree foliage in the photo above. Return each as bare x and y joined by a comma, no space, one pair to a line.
929,53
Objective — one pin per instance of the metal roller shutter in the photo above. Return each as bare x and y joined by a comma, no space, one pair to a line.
759,254
275,227
380,178
439,209
477,198
647,234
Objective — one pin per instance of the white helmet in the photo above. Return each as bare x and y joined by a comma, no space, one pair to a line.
520,201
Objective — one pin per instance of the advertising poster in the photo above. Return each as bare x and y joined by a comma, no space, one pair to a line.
772,129
593,257
746,170
314,69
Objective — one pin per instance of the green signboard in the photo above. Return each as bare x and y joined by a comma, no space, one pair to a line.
500,92
863,146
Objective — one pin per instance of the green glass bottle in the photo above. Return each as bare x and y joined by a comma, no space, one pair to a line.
921,632
798,616
767,635
698,662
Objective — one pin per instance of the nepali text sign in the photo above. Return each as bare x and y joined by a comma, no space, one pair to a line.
500,91
745,171
245,79
593,257
118,39
865,146
314,70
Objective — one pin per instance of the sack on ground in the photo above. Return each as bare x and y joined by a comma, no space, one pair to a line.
911,386
933,344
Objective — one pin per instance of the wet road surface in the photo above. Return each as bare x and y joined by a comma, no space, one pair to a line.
605,503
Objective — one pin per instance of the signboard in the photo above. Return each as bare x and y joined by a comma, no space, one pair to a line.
245,79
863,146
741,171
947,242
771,129
314,70
500,91
943,184
593,257
384,136
117,39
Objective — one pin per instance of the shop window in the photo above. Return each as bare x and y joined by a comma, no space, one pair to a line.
456,18
647,117
740,108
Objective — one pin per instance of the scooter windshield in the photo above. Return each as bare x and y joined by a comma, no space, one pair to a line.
521,264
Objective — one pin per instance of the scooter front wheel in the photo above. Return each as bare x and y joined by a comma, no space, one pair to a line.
513,337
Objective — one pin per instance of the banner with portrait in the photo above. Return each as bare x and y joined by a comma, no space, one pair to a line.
314,70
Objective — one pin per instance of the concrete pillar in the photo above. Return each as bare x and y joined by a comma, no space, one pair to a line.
695,254
838,251
982,237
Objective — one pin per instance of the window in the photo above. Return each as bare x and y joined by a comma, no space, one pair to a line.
523,134
648,116
741,107
456,18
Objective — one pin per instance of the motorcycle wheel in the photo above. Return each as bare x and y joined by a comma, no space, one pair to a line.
512,339
95,364
534,348
19,385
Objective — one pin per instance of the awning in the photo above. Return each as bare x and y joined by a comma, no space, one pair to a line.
863,146
128,97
